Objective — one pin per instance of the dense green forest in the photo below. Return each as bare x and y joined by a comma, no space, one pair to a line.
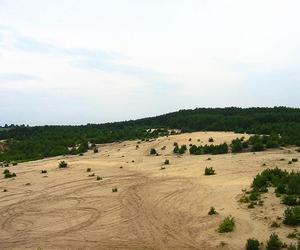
22,143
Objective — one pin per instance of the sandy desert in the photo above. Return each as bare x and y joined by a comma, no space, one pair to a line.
154,208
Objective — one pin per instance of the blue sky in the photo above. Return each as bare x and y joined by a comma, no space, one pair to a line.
74,62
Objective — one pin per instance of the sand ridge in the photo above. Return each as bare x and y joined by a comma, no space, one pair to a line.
153,208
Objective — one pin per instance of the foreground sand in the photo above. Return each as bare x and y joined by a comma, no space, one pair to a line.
153,208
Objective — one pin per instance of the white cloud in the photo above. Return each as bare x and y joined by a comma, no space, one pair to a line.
134,58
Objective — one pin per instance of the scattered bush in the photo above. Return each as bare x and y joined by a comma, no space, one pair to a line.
5,171
227,225
167,162
114,190
209,171
209,149
99,178
210,139
14,163
153,151
292,216
96,150
252,244
162,168
274,243
290,200
88,170
294,160
92,175
44,171
63,164
9,175
212,211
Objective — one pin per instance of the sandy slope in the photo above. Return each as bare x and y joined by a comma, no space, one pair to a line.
153,208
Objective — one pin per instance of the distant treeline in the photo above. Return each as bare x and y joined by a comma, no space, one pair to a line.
29,143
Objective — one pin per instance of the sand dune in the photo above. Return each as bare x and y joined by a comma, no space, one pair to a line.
153,208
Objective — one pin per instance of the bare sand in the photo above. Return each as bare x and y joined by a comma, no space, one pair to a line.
153,208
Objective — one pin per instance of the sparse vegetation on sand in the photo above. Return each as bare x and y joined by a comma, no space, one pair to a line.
212,211
44,171
63,164
8,174
167,162
114,190
227,225
153,151
274,243
209,171
252,244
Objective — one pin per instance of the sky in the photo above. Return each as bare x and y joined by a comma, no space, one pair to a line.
95,61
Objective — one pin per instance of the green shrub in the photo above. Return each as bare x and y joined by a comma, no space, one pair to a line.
182,149
274,243
209,171
251,205
294,160
292,216
99,178
153,151
114,190
96,150
9,175
252,244
254,196
88,170
290,200
44,171
167,162
5,171
63,164
14,163
258,146
92,175
212,211
227,225
210,139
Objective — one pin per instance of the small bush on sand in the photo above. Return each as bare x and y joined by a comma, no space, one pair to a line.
274,243
88,170
44,171
294,160
209,171
5,171
162,168
114,190
252,244
227,225
9,175
96,150
14,163
153,151
167,162
99,178
63,164
211,139
92,175
212,211
292,216
290,200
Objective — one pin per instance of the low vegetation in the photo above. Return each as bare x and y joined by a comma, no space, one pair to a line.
212,211
63,164
252,244
209,171
227,225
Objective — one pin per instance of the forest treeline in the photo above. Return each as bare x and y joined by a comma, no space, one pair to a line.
22,143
